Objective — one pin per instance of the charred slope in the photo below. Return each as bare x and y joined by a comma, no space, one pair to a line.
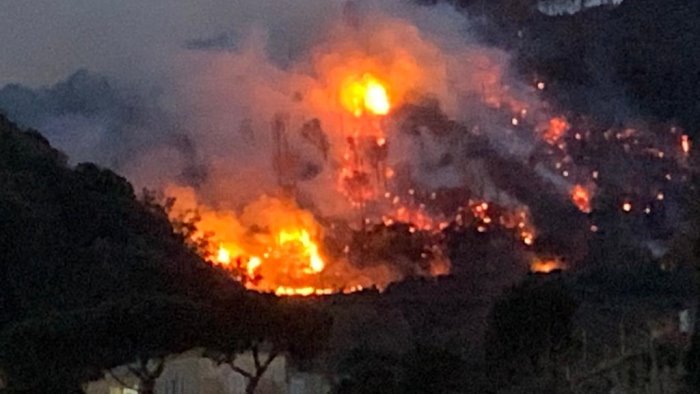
74,238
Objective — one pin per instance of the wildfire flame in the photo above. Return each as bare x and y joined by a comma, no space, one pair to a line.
299,240
223,256
545,266
366,94
253,264
332,149
337,122
294,244
274,246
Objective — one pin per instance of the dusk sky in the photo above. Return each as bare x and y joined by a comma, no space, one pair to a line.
46,40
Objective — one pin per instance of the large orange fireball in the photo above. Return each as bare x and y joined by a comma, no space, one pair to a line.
366,94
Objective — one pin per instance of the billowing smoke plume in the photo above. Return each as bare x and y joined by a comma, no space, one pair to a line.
229,99
258,124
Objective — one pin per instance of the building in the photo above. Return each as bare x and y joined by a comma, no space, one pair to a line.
191,373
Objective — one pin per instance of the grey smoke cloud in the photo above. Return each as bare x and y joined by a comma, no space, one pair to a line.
197,73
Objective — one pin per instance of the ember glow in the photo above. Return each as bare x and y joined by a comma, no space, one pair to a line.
685,144
581,197
555,129
546,266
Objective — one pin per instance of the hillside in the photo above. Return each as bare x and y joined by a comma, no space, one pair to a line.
76,237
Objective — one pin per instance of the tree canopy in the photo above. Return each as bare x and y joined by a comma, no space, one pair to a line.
93,277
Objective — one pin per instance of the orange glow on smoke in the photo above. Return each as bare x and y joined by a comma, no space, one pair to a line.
363,171
418,218
365,95
581,197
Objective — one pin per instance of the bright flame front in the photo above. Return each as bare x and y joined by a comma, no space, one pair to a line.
365,95
298,241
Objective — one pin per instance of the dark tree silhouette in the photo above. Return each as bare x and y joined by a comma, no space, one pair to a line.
278,327
66,349
90,274
529,328
422,369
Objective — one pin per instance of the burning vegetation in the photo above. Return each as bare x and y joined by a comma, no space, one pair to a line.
353,162
275,245
383,146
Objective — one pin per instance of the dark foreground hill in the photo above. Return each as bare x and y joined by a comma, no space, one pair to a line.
92,277
76,237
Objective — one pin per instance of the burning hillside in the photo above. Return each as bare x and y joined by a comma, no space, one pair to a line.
351,157
343,169
273,244
343,192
